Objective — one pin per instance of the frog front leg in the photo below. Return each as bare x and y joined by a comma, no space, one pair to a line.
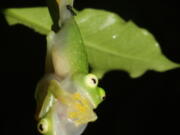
46,94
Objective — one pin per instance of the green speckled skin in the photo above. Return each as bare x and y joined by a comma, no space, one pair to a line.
69,47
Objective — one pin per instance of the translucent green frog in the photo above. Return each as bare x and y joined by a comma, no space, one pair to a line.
67,94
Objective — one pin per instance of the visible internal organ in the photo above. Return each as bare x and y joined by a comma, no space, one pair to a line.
79,109
64,125
61,64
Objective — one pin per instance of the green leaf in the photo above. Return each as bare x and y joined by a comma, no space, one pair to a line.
37,18
112,43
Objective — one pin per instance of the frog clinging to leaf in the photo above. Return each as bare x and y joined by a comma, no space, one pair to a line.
67,94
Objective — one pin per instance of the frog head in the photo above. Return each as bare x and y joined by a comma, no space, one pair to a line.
87,85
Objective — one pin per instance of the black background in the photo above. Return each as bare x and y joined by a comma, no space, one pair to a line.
146,105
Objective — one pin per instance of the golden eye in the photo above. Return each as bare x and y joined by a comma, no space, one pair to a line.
91,80
43,126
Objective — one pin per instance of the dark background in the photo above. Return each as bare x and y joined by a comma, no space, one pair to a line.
146,105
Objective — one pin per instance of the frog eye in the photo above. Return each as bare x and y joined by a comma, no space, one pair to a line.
91,80
43,126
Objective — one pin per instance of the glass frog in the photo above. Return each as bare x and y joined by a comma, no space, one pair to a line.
65,106
68,93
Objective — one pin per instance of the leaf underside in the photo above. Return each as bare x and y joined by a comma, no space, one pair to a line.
111,42
37,18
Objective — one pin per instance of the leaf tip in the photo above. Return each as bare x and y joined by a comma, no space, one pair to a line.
169,66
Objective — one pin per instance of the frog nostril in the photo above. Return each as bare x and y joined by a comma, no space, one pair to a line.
102,93
104,97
